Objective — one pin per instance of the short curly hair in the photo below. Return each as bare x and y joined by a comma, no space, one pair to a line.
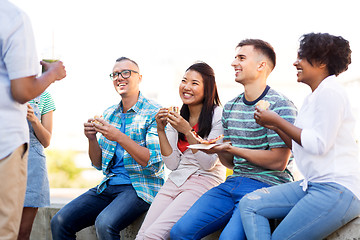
323,48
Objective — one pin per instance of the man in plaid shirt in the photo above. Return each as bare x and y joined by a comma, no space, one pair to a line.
128,153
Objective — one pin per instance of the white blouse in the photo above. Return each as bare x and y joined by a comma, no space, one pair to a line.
329,152
183,165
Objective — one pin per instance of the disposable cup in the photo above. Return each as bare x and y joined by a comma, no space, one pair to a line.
43,69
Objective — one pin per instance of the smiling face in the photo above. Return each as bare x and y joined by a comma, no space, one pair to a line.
246,64
191,89
128,86
307,73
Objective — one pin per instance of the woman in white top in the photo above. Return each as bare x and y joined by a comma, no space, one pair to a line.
193,171
324,147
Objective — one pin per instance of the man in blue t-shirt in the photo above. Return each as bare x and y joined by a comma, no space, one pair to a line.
256,154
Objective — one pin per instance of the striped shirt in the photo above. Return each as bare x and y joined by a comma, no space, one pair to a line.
45,103
140,126
241,129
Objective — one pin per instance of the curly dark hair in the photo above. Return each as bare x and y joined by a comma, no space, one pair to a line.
323,48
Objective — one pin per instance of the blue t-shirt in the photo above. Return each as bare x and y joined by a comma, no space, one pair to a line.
121,175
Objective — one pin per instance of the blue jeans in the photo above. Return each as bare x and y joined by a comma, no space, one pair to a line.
313,214
111,211
216,209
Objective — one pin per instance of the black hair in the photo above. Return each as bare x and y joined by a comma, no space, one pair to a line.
127,59
323,48
210,101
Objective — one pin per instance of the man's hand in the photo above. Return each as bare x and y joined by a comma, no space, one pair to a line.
26,88
223,151
89,129
219,148
107,130
56,69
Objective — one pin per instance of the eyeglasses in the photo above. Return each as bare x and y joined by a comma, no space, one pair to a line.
124,74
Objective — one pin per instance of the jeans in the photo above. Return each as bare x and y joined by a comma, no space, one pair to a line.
111,211
311,214
217,208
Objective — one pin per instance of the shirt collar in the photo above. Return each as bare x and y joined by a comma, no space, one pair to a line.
136,107
258,99
324,83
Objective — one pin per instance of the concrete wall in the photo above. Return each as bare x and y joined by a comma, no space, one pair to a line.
41,229
350,231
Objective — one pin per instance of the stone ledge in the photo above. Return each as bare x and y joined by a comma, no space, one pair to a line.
42,231
41,228
350,231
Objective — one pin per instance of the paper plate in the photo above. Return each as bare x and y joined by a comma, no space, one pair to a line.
202,146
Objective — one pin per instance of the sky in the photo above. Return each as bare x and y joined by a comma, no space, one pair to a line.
166,37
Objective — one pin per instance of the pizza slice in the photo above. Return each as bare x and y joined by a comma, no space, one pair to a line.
207,141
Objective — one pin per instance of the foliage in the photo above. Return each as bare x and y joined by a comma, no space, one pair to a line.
63,172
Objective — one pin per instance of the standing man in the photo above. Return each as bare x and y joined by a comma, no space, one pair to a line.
256,154
18,84
128,153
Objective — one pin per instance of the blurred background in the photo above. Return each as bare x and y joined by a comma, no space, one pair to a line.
166,37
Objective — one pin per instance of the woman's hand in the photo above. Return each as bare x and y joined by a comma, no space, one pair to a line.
266,118
179,123
30,116
161,119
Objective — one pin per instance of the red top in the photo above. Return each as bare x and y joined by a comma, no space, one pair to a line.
183,144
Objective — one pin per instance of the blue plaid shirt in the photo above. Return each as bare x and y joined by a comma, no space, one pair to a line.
141,127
